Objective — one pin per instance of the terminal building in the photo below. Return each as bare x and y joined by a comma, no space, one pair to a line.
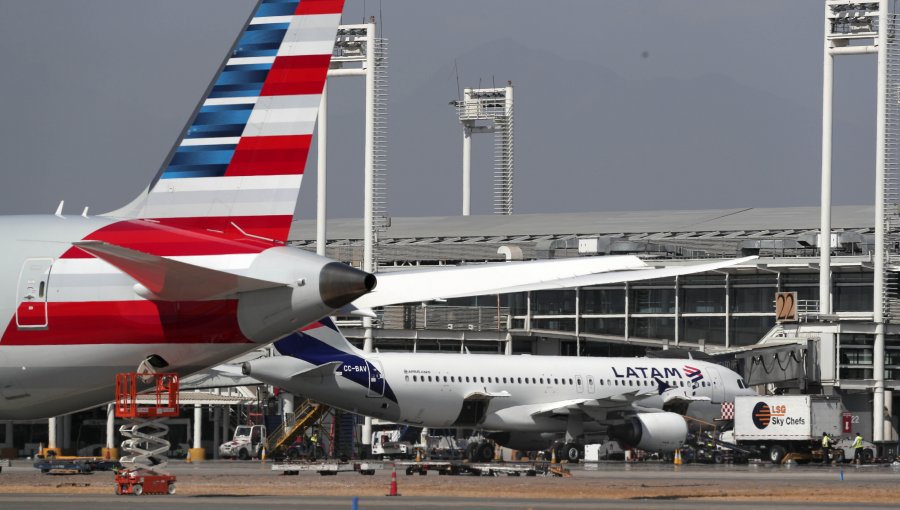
729,315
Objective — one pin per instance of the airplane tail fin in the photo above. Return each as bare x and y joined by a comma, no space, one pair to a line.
318,343
239,161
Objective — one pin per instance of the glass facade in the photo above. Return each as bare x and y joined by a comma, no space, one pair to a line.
722,310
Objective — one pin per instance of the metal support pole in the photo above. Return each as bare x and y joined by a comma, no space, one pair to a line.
878,290
369,184
51,432
577,321
467,171
110,426
727,310
321,174
827,135
369,200
198,423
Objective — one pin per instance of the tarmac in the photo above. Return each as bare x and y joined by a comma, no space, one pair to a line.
221,485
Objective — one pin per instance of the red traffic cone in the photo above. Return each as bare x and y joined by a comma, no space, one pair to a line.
394,482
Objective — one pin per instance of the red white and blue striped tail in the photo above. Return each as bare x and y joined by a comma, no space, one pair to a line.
240,161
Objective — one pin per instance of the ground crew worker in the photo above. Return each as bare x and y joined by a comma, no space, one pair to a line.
858,449
826,447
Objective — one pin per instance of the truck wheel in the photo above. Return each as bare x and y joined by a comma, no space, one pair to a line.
171,489
571,452
137,489
718,458
838,456
867,456
243,454
776,454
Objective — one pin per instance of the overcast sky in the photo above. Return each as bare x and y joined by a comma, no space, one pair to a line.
619,105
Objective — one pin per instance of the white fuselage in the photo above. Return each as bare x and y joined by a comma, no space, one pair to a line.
521,391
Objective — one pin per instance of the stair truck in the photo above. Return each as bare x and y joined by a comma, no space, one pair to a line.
777,426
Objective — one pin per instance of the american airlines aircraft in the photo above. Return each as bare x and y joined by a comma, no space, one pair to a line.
195,270
523,402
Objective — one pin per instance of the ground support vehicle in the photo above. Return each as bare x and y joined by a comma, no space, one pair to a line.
247,443
74,465
775,426
450,467
328,468
144,481
145,445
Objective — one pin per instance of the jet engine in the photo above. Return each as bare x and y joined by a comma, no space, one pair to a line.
651,431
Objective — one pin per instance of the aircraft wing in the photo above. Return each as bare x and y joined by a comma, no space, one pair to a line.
170,279
506,277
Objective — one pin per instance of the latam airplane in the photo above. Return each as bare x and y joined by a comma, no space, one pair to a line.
523,402
195,270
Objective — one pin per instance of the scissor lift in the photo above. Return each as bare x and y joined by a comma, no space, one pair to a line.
145,445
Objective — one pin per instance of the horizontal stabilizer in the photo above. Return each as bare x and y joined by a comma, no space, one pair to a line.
172,280
319,371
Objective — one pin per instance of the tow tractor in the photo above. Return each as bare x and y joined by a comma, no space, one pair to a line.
145,446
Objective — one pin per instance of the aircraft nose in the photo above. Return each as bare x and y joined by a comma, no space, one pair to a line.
340,284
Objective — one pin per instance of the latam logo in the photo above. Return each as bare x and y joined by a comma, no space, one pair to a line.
693,373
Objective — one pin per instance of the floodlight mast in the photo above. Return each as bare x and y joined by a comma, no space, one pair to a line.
860,28
489,110
359,52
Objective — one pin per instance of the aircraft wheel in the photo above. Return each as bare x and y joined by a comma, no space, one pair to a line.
571,452
470,452
485,452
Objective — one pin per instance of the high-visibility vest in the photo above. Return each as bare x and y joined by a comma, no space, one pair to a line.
858,442
826,442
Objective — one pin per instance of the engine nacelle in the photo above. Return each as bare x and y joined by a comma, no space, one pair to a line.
651,431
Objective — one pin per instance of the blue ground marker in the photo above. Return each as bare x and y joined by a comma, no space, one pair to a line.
356,499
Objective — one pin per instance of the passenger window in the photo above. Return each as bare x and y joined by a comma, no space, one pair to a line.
579,381
429,378
616,382
467,378
520,380
445,378
415,378
601,382
482,378
555,381
570,382
407,378
504,380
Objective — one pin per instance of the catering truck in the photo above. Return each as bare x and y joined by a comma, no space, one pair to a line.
777,425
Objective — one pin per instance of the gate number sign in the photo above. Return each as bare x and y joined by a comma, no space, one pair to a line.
786,306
